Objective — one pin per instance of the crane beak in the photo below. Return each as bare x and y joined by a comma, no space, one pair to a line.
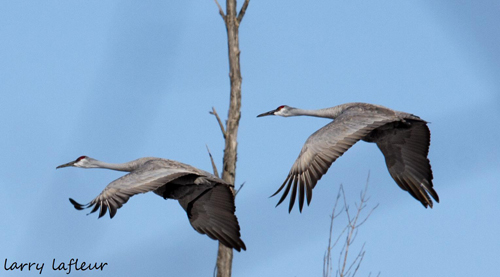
66,165
267,113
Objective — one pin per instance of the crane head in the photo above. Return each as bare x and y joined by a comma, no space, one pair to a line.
82,161
282,110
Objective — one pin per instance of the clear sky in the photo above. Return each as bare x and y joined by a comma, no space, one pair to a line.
119,80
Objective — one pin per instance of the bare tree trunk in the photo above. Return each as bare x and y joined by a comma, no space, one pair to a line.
232,21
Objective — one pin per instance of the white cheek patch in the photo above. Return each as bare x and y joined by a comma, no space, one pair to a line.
80,163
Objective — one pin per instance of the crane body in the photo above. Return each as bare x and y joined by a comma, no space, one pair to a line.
207,200
403,138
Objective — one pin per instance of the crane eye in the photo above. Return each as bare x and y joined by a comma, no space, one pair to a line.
280,107
81,158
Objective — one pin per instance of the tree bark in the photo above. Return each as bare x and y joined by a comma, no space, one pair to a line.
225,254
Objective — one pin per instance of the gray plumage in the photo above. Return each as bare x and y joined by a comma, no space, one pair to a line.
207,200
403,138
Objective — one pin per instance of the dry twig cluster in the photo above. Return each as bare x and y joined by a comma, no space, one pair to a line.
347,267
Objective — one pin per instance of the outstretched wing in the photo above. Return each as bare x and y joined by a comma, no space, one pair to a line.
323,147
405,148
211,211
147,178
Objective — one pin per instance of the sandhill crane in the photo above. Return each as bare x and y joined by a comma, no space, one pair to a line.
207,200
403,138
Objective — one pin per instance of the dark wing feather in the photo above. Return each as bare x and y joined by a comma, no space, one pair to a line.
323,147
211,211
405,147
145,179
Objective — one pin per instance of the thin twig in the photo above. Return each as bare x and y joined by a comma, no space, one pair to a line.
238,190
242,11
369,214
214,112
360,256
347,245
348,235
327,267
340,235
359,264
214,167
220,10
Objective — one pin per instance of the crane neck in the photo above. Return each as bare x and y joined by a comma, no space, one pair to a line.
127,167
332,112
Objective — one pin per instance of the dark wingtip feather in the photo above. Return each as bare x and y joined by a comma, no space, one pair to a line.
293,195
308,188
238,244
96,207
302,189
243,246
282,186
103,210
434,194
287,189
112,212
77,205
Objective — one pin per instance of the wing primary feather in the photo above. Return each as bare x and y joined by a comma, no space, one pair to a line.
425,183
96,207
302,185
425,199
417,192
294,193
308,187
77,205
110,207
282,186
103,209
232,242
287,189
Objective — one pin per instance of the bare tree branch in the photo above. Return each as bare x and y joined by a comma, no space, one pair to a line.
221,12
225,254
214,167
243,10
214,112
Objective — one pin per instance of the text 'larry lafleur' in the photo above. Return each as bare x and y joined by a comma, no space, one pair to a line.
56,266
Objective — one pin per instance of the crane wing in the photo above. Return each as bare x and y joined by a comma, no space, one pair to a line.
147,178
211,211
405,148
323,147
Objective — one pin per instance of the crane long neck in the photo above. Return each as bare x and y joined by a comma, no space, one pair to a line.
332,112
128,167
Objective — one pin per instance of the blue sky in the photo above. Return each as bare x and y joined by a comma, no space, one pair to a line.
119,80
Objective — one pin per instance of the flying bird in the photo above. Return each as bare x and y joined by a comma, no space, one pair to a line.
207,200
403,138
